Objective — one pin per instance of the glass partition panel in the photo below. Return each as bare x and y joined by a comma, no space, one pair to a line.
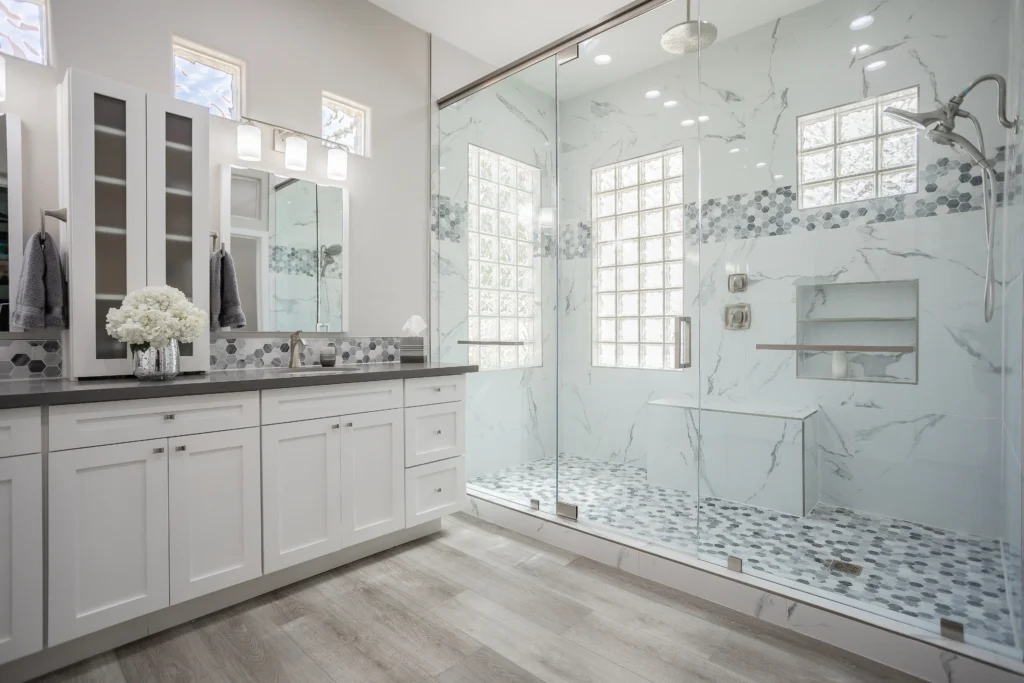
627,172
495,271
859,417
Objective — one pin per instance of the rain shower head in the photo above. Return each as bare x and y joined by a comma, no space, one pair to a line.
332,250
689,37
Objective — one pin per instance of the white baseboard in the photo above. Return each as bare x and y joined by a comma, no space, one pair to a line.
904,647
57,657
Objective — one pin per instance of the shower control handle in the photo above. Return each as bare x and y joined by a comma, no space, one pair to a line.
683,330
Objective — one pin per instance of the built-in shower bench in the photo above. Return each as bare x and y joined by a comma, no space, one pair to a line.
750,453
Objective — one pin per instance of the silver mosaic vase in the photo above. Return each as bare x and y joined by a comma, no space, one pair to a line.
158,362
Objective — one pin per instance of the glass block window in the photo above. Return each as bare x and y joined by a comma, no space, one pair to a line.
23,30
504,283
346,123
857,152
638,260
207,78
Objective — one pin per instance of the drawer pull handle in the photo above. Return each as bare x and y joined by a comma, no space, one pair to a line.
437,431
437,490
335,426
157,451
179,449
348,424
437,390
168,417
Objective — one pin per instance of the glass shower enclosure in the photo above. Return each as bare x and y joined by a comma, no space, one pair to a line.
730,308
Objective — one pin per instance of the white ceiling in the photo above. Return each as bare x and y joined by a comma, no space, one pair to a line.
500,31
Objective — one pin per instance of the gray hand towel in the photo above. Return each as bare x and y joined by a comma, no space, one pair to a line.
215,264
231,314
40,298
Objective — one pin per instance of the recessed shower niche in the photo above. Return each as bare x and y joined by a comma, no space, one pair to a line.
857,331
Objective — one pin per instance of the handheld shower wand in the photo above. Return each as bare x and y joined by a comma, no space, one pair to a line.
938,126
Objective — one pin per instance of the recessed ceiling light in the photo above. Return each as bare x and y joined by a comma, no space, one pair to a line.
734,150
859,49
861,22
760,164
778,176
441,168
601,60
703,119
875,66
651,94
669,104
687,122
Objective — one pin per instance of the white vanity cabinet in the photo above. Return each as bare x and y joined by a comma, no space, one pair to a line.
134,179
108,536
214,511
21,554
301,491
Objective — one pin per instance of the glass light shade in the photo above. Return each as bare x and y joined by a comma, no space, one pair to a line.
295,153
3,80
250,142
337,164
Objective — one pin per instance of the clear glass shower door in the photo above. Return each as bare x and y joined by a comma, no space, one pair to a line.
494,264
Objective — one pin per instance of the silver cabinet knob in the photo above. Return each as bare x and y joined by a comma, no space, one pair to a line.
437,390
157,451
348,424
168,417
179,449
337,426
437,431
437,490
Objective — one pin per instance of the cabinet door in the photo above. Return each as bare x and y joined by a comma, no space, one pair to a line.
108,536
106,193
214,511
21,556
301,492
372,476
178,170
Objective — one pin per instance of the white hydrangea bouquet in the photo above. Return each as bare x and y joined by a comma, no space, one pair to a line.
152,321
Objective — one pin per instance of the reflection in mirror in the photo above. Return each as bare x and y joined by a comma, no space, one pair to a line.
288,243
11,236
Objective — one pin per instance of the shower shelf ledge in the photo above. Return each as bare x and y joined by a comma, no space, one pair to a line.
835,347
858,320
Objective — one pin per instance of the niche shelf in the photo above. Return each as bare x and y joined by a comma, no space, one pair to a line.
873,325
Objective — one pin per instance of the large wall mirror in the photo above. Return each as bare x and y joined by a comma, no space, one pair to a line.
11,219
288,239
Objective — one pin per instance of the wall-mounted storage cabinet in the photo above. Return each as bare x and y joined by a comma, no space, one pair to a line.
134,178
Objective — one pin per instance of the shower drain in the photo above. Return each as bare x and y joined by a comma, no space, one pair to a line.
845,567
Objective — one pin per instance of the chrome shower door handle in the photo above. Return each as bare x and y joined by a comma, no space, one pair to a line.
682,341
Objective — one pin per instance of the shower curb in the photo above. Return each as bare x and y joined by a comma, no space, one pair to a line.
900,646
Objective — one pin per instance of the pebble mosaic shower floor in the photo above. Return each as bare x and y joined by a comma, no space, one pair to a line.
917,572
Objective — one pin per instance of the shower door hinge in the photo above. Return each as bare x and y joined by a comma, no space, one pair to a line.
534,504
567,510
735,564
953,630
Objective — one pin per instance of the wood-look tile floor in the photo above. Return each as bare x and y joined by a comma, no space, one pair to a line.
472,604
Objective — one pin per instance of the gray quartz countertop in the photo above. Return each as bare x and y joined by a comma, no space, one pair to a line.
51,392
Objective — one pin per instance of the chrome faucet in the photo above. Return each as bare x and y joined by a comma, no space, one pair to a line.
297,345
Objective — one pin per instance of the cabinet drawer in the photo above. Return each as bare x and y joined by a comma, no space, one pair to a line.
423,391
98,424
434,433
21,431
331,400
435,490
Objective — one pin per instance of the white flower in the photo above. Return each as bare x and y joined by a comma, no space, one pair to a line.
155,316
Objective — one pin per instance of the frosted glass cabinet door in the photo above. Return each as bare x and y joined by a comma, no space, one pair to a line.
108,536
21,556
178,181
106,200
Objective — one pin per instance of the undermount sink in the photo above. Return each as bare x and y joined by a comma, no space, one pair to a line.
318,370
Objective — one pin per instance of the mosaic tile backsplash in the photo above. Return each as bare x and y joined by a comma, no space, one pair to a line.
31,359
258,352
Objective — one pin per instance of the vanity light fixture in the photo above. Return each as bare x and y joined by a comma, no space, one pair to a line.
875,66
687,122
337,164
704,119
862,22
668,104
295,153
601,60
652,94
250,142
